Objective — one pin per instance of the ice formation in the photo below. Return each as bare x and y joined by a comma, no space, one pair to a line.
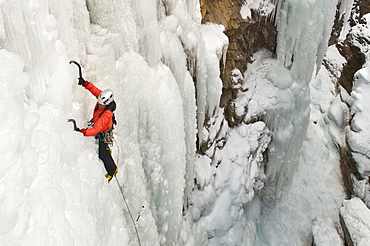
303,32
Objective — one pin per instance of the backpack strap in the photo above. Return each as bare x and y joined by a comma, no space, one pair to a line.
114,119
112,107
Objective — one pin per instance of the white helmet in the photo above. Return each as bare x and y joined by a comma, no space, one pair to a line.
105,97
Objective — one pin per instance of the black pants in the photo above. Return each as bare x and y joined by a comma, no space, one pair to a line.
106,157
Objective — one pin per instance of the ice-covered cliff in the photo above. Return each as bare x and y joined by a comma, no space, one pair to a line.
204,178
149,53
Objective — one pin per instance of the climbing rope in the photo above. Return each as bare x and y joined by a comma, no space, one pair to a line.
133,221
124,199
118,149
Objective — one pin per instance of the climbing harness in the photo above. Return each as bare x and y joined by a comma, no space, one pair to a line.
133,221
106,137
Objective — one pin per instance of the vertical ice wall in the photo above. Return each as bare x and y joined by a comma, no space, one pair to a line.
304,29
147,21
167,35
57,201
152,109
180,31
37,31
173,25
16,140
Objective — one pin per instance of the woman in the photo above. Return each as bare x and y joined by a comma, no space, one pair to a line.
102,125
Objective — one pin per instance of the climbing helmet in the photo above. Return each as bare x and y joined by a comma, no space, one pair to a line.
105,97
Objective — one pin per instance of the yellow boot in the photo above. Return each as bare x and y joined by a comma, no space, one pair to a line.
114,174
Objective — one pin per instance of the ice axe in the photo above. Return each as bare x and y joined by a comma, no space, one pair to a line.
74,125
79,67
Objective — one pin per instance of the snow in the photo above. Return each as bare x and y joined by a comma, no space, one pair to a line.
217,212
216,43
325,233
356,217
52,185
281,99
357,133
245,12
262,7
261,92
61,184
316,192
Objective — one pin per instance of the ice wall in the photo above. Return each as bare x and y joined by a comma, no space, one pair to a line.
303,29
40,32
151,53
60,198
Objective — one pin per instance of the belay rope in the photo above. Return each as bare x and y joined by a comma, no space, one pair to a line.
124,199
133,221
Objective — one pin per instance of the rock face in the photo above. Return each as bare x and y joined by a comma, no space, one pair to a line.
246,36
355,60
325,233
355,221
353,158
350,48
364,6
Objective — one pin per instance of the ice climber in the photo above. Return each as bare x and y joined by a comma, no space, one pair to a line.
101,125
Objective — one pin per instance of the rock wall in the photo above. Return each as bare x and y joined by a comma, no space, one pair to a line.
354,49
350,49
246,37
355,221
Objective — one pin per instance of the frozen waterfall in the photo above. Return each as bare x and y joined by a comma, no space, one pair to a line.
304,29
302,169
143,51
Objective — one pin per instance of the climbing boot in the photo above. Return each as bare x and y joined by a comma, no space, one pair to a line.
109,177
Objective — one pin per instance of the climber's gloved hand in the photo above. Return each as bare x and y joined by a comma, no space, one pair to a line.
81,81
83,131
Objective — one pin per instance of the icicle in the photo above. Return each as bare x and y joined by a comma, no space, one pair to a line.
304,29
345,9
146,16
194,10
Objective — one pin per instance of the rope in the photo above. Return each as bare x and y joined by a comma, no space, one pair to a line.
133,221
124,199
118,150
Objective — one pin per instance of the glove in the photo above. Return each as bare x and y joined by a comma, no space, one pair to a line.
81,81
83,131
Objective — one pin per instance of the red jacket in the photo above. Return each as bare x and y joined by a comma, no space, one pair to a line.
102,118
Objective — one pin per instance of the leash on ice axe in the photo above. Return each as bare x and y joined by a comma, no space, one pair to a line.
74,125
